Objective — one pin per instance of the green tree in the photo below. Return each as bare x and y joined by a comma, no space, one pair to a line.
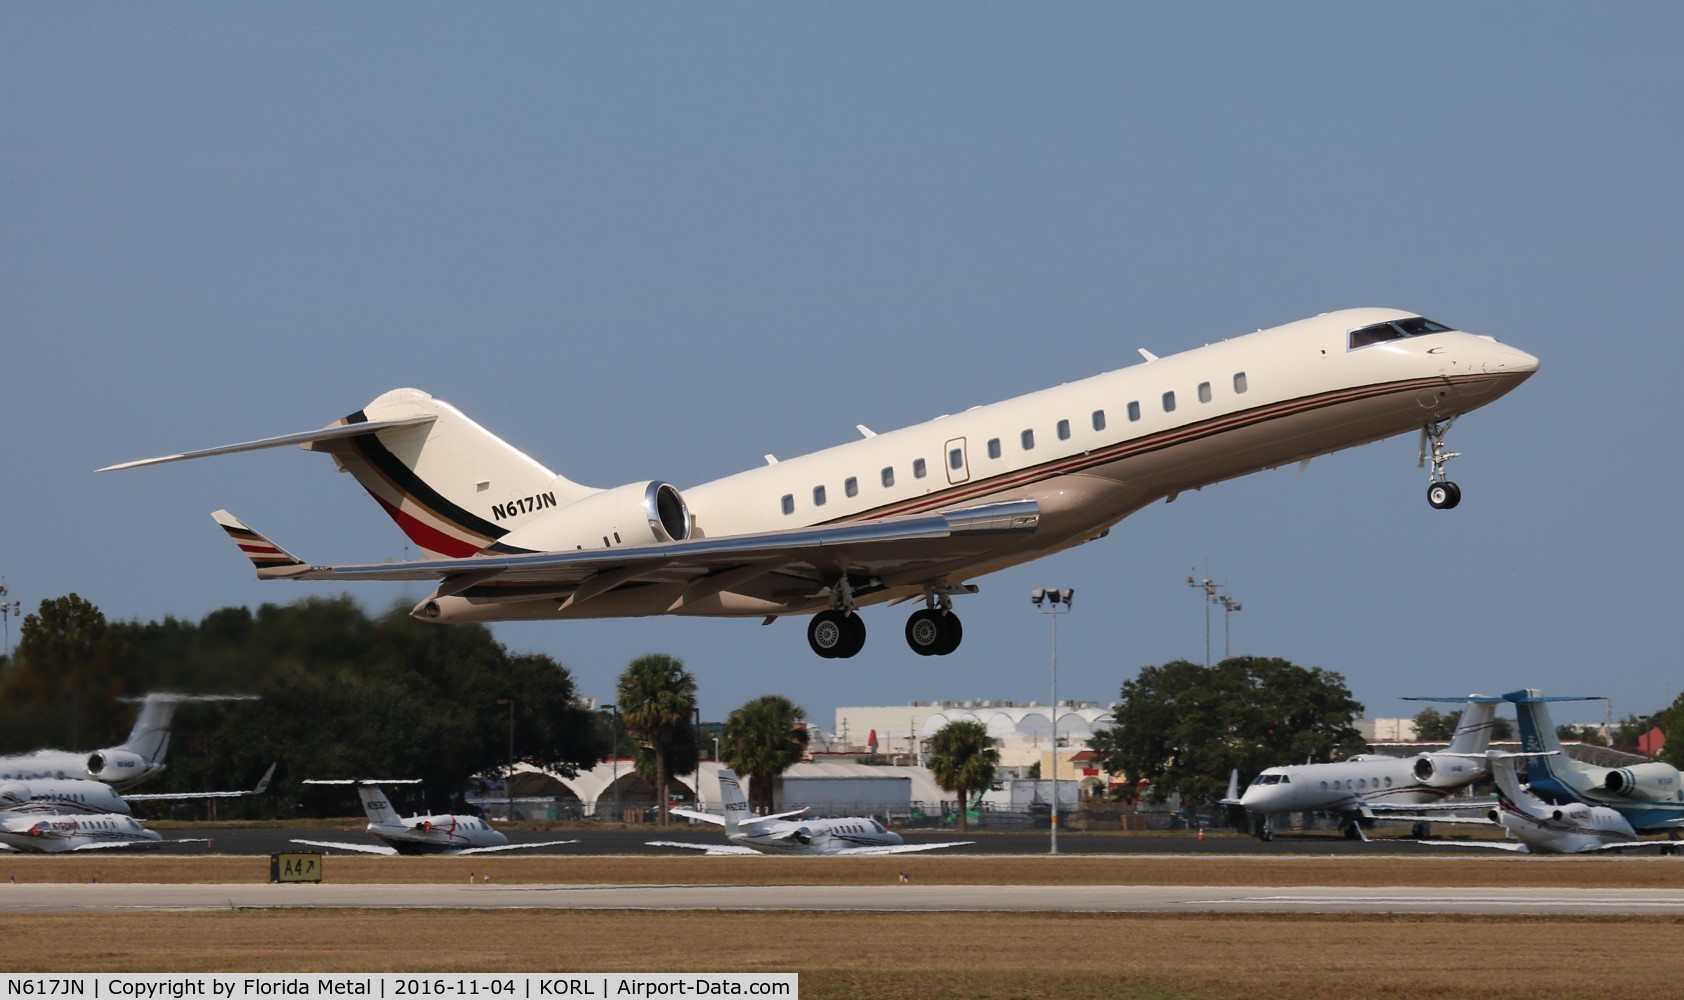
68,670
1433,726
963,759
1183,727
657,699
762,739
1671,721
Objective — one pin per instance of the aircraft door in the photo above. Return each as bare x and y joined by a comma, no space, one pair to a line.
958,468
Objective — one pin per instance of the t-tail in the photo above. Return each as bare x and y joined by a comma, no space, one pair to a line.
737,812
376,805
1537,731
451,485
1473,734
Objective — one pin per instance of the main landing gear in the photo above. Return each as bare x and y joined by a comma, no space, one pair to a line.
839,632
1442,494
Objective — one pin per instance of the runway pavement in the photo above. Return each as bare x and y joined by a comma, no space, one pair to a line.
40,897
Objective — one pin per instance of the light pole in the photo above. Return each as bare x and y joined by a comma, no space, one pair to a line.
614,756
1210,598
8,608
1055,602
698,718
509,780
1229,606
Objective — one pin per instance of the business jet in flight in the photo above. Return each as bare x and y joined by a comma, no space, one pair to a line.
133,761
1375,786
782,834
1538,827
441,834
909,515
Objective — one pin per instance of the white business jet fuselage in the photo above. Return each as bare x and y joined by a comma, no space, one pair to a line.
745,834
1369,786
912,514
52,834
438,834
135,760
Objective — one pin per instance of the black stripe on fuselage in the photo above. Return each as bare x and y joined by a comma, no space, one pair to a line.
414,488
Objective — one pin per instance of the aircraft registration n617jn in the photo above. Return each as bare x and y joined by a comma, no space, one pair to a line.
910,515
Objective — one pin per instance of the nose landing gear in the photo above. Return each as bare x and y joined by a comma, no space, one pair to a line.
1442,494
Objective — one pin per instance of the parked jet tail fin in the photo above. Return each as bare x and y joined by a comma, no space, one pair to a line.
737,812
271,560
150,735
1473,733
1537,730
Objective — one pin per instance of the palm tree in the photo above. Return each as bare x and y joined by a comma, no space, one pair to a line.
963,758
761,741
657,698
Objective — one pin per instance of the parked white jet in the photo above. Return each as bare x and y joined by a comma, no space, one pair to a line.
441,834
73,796
1370,786
911,515
780,834
44,833
138,758
1541,828
1650,795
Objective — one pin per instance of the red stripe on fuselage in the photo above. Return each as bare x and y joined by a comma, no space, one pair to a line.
425,535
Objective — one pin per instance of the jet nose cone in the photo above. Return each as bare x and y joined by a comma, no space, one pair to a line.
1511,361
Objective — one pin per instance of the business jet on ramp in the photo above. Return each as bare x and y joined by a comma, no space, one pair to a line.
1538,827
440,834
780,834
909,515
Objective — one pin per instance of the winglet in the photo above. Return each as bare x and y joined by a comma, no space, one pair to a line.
270,559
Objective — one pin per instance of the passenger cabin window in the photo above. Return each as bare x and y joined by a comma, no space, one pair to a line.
1204,392
789,503
888,476
1028,440
851,486
919,469
1134,411
993,447
1169,401
1099,420
818,496
1239,382
1397,329
956,459
1064,430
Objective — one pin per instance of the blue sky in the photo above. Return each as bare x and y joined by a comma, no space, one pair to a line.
662,241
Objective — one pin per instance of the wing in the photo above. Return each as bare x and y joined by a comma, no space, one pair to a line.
902,848
104,844
513,847
359,848
702,816
262,786
719,849
786,566
1494,845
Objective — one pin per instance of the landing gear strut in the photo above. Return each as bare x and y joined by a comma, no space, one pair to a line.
1442,494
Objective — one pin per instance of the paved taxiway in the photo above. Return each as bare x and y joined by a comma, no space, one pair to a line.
41,897
633,841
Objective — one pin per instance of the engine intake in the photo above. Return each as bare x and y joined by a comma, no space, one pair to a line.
649,513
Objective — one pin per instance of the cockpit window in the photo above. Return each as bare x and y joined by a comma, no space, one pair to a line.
1271,779
1397,329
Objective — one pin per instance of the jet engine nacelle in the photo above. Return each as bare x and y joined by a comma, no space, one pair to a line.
116,765
1424,769
1446,770
1652,782
648,513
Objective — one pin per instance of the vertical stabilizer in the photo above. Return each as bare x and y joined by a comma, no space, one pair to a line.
150,737
451,485
377,806
1537,731
1473,733
737,812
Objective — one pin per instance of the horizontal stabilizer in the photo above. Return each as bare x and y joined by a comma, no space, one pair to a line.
332,433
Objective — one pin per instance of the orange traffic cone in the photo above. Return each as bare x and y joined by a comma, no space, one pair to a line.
1201,831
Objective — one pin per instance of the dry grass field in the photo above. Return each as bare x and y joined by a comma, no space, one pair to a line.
1111,956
